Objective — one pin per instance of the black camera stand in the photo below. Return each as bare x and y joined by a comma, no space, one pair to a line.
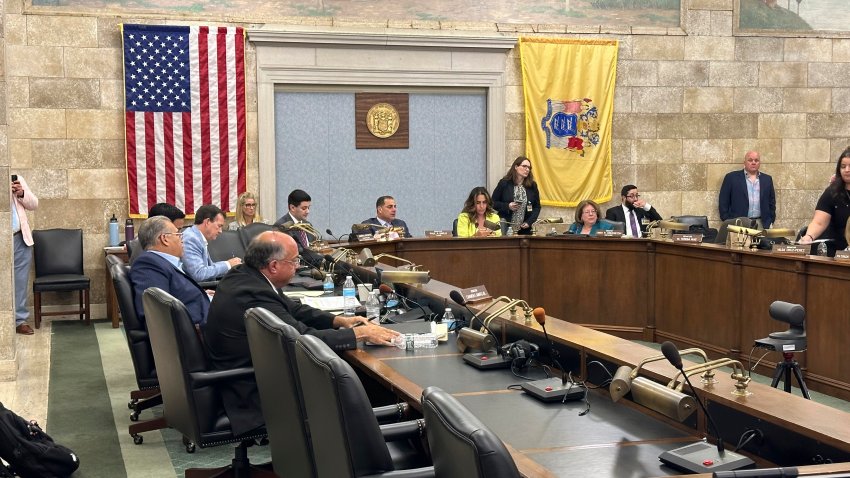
784,369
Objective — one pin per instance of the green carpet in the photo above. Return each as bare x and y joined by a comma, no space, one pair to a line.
79,413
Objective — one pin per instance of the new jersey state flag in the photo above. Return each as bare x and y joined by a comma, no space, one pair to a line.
568,85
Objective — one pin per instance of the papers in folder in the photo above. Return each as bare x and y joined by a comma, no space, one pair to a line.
329,303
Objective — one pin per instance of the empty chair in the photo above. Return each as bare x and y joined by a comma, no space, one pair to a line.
138,342
347,440
58,257
227,245
698,225
460,444
190,387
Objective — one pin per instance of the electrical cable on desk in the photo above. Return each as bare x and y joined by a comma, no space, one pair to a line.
531,364
750,360
749,434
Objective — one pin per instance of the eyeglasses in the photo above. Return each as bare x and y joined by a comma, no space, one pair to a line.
178,234
633,196
526,166
295,262
249,205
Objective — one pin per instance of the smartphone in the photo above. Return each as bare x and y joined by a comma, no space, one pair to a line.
14,177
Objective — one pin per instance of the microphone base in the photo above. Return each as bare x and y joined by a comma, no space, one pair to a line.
702,457
487,360
553,390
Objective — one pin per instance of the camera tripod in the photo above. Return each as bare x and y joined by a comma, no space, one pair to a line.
785,368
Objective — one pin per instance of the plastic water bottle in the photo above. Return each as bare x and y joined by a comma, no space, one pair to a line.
349,298
373,306
129,230
449,319
415,341
113,231
328,285
510,231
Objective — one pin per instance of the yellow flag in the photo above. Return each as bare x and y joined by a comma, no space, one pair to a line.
569,103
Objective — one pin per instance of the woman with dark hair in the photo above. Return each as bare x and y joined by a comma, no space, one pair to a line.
477,212
587,220
516,197
833,207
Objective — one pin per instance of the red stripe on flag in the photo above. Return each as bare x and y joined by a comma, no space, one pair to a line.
150,158
132,177
240,111
188,171
204,86
223,143
168,134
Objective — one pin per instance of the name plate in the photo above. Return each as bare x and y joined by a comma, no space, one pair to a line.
475,294
688,238
842,256
436,234
365,237
791,249
609,234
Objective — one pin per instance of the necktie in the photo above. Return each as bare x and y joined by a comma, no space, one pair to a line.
633,220
303,236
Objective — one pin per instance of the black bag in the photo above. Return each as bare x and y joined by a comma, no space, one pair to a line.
30,452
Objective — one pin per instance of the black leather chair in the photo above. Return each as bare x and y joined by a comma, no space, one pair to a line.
454,228
190,387
227,245
698,225
460,444
134,249
249,232
136,333
58,257
272,343
347,440
619,226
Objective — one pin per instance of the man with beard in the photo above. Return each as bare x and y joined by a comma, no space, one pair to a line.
633,211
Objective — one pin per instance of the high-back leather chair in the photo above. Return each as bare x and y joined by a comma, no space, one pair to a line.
619,226
141,354
190,387
347,440
272,343
460,444
227,245
249,232
58,257
698,225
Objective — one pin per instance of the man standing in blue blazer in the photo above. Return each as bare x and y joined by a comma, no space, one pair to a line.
209,222
159,266
748,193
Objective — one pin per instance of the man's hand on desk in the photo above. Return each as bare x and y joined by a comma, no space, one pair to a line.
375,334
349,322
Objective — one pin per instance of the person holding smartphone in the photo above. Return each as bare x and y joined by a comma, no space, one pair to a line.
22,200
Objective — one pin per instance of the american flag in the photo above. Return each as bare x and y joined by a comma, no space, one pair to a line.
184,90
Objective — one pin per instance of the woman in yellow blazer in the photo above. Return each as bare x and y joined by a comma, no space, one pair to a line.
478,218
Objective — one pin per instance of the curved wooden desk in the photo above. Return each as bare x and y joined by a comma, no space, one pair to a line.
705,296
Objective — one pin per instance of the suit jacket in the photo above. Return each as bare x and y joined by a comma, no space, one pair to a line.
296,233
242,288
734,200
196,257
27,203
616,214
395,223
152,270
503,195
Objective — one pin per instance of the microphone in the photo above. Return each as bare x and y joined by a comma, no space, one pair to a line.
343,266
330,233
671,353
314,261
553,389
457,297
387,289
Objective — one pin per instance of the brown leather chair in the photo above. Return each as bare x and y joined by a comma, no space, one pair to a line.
58,257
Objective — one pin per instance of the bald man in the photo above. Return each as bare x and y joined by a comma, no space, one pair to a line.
748,193
270,262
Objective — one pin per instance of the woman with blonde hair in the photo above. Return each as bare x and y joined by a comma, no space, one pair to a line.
246,211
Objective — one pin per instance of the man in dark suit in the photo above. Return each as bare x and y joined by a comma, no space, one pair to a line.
385,210
748,193
298,202
633,211
159,266
270,262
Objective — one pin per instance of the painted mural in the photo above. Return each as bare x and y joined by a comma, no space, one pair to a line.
654,13
794,15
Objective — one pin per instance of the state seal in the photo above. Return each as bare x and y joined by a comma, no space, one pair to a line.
382,120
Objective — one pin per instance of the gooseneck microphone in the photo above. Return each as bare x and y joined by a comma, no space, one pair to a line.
339,238
343,266
457,297
552,389
387,289
671,353
539,314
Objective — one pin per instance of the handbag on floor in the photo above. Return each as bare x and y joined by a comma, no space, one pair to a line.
30,452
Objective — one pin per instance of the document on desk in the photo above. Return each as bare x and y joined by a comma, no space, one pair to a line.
298,294
328,303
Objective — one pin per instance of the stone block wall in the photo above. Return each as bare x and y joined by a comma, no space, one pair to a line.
689,103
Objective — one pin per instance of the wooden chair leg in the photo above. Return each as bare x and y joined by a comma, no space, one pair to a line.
37,308
86,311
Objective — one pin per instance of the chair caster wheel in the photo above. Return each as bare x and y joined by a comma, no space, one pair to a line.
134,417
190,447
132,404
138,439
